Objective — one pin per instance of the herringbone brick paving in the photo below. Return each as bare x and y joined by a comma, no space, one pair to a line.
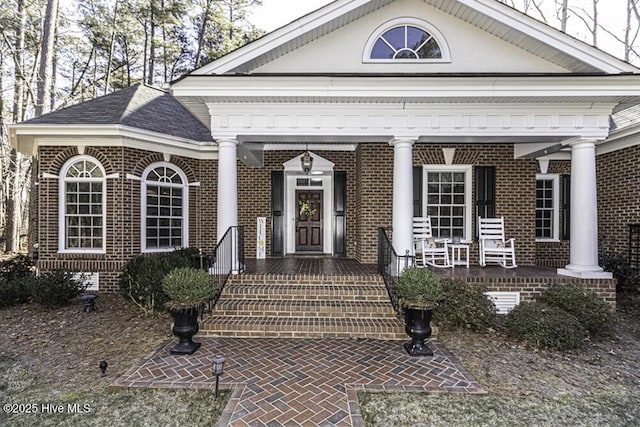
301,382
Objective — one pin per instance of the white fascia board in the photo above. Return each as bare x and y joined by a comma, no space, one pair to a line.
111,135
620,139
279,37
362,88
551,36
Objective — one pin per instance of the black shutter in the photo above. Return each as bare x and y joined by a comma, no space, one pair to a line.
340,213
417,191
566,207
277,213
485,193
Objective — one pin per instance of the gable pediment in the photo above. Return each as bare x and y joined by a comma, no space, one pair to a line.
484,36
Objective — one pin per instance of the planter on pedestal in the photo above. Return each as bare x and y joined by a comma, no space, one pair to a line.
188,289
185,326
419,291
417,322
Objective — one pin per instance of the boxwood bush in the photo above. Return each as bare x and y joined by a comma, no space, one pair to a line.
545,326
54,288
141,277
13,292
465,306
593,313
13,289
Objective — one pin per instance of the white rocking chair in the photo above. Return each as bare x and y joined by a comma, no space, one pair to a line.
428,250
493,246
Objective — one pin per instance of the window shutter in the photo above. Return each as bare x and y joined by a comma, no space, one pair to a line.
566,207
277,213
485,193
340,213
417,191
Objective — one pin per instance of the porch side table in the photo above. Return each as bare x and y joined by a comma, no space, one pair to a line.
457,253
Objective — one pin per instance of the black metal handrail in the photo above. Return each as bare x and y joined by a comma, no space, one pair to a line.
227,259
390,265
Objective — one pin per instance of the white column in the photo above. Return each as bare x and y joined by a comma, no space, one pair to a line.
402,196
227,186
583,261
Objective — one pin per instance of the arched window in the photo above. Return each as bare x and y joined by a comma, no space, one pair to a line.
82,206
406,39
165,203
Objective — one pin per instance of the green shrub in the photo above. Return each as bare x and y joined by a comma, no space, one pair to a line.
419,287
618,265
17,267
54,288
13,292
188,286
465,306
545,326
141,277
593,313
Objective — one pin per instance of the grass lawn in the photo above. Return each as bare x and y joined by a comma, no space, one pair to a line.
26,403
412,409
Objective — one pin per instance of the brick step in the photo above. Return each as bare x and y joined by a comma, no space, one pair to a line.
303,308
301,291
303,327
316,279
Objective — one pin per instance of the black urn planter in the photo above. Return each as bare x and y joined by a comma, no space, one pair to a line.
417,321
185,326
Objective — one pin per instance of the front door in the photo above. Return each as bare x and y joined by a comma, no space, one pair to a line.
309,221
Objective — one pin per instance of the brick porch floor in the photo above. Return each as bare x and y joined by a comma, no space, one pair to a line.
299,382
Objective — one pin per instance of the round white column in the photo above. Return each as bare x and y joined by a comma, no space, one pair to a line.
583,260
227,186
402,196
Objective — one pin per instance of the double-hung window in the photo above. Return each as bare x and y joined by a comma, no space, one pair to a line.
547,207
448,200
165,199
82,206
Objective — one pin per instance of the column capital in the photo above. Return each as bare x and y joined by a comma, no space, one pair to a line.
227,142
582,143
398,141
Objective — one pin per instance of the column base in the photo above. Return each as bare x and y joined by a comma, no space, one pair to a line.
583,273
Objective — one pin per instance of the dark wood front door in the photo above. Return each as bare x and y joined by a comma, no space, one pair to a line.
309,221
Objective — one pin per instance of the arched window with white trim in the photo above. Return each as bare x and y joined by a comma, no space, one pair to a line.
82,206
165,201
407,40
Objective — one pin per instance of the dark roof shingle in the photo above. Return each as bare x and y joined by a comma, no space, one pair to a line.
138,106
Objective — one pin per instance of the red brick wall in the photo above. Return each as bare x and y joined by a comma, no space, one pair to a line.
123,209
618,197
254,194
369,197
531,287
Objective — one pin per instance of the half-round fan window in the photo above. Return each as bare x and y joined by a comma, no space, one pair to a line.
406,42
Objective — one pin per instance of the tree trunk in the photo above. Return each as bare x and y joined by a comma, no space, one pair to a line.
111,47
45,76
564,15
12,193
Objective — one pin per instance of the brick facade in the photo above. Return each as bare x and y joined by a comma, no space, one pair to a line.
618,198
369,172
123,217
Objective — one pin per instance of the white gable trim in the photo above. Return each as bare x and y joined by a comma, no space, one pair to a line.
27,138
309,28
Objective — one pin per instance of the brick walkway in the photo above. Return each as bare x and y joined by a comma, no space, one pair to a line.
290,382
